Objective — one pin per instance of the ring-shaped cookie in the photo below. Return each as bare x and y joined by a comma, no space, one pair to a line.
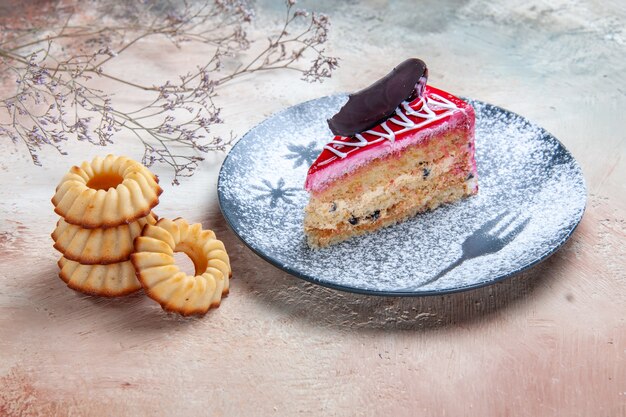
163,280
98,246
106,192
112,280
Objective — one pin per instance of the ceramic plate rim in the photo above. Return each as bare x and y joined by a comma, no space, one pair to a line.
387,293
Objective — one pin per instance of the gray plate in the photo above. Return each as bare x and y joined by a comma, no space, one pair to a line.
532,196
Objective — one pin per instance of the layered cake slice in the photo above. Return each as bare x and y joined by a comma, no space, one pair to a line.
401,148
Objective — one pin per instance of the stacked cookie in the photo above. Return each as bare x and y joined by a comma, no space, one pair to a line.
113,245
104,205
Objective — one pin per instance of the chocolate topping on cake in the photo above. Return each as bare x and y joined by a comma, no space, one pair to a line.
370,106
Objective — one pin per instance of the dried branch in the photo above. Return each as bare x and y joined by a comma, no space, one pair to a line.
54,63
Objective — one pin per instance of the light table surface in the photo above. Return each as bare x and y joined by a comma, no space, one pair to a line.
548,342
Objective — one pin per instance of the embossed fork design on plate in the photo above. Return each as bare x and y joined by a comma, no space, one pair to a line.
489,238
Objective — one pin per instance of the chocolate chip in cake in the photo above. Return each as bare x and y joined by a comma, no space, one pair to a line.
470,176
354,221
374,216
333,207
425,172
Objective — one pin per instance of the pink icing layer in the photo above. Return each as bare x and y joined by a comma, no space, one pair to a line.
328,167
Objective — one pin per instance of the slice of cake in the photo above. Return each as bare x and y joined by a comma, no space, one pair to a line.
401,148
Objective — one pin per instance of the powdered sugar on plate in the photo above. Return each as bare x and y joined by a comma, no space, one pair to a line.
522,170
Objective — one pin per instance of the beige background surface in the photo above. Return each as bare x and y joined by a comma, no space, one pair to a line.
549,342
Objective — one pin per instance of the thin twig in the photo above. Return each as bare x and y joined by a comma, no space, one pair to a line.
55,101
